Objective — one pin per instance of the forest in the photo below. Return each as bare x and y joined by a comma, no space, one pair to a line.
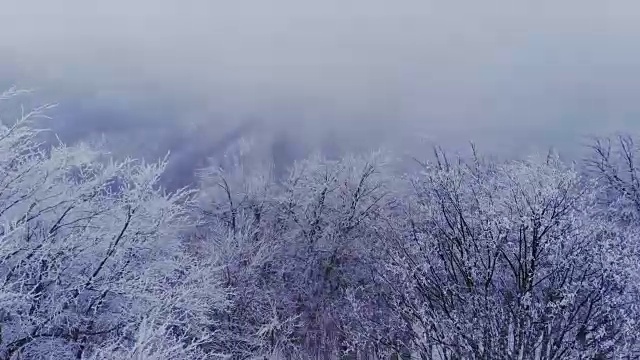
365,256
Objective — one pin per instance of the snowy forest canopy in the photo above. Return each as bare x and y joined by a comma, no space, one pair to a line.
360,257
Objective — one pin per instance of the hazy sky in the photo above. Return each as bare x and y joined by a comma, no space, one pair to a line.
508,74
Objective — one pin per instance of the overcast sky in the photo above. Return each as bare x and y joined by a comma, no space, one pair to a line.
507,74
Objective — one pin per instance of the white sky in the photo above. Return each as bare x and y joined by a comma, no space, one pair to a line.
509,74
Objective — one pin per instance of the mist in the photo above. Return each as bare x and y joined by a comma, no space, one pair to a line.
512,76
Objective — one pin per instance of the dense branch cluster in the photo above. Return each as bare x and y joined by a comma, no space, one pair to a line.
356,258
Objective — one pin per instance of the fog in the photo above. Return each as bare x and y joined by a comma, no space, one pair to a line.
513,76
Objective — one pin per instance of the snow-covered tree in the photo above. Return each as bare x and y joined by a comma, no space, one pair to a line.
511,260
616,163
295,249
330,210
346,258
91,255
